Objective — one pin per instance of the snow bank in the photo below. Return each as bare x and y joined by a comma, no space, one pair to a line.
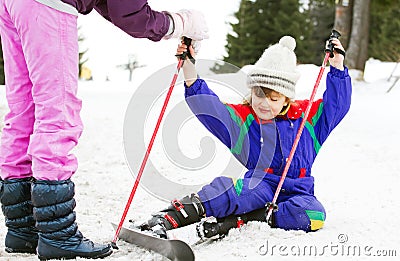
377,70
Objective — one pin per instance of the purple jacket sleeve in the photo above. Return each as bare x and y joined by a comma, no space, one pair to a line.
136,18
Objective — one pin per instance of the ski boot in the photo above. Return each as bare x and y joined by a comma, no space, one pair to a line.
157,229
214,228
180,213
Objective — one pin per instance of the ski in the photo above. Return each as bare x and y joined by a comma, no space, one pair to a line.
172,249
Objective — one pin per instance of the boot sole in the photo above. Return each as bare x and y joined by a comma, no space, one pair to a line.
99,256
24,251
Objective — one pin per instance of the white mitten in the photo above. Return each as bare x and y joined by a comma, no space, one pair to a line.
189,23
196,46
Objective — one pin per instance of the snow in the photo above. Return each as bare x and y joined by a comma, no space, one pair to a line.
357,176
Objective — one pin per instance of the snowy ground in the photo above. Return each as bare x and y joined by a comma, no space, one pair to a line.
357,179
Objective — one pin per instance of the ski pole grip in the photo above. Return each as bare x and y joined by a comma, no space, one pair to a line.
329,48
187,41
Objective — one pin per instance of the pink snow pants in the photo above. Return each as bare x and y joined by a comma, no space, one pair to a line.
40,49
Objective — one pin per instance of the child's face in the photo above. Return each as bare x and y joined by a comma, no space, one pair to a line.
267,105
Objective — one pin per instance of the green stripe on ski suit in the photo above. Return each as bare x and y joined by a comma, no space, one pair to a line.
310,127
317,219
315,215
318,114
244,129
238,184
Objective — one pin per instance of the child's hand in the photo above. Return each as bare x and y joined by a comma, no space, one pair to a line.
193,48
338,58
189,69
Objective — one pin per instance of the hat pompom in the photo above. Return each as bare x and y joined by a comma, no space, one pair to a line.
288,41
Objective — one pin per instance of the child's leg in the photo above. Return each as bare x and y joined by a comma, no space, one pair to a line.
225,196
50,44
221,198
14,160
302,212
212,228
298,213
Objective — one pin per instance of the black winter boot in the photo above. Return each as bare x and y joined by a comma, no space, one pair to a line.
15,198
180,213
59,237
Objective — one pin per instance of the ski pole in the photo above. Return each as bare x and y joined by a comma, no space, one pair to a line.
272,206
182,58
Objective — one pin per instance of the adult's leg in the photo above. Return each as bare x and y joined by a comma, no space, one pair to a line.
15,198
18,123
59,236
15,164
50,44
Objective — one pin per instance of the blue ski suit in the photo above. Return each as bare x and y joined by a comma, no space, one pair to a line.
263,148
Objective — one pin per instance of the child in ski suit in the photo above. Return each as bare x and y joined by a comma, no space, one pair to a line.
40,47
260,134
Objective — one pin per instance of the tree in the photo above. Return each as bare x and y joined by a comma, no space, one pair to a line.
321,14
130,66
262,23
384,40
343,20
2,77
238,54
357,52
370,28
82,60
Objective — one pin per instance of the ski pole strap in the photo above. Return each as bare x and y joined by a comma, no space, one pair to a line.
270,206
273,206
340,51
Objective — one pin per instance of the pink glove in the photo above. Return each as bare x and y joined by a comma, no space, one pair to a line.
189,23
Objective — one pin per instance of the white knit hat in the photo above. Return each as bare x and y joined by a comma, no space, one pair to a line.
276,68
